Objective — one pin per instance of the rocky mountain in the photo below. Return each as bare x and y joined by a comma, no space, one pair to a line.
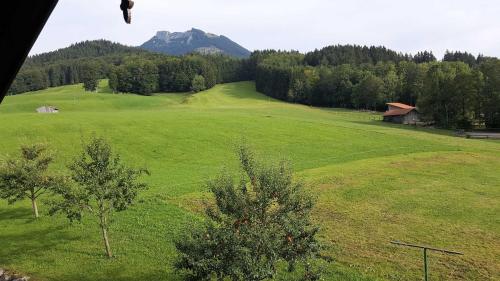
194,40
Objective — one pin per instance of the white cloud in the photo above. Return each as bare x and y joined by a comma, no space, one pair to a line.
407,26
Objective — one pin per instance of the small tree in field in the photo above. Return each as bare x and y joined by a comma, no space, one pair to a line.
27,177
103,186
255,223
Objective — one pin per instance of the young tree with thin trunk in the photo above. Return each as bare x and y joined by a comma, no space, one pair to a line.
102,186
27,177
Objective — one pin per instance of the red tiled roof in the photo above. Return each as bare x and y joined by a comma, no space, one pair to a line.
398,112
400,105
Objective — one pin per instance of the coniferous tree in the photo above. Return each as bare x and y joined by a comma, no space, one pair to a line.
460,56
424,57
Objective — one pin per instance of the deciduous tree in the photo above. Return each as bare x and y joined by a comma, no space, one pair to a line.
368,93
255,223
89,76
198,84
103,186
28,176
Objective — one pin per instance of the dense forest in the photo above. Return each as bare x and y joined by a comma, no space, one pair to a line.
461,91
129,69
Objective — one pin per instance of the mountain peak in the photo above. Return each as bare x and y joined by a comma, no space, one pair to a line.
163,35
194,40
197,30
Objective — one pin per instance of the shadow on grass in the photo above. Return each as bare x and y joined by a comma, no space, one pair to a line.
31,243
382,124
121,273
15,213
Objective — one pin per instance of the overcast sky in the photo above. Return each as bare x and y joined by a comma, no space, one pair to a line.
402,25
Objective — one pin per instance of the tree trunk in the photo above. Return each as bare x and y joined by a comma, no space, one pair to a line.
34,207
105,237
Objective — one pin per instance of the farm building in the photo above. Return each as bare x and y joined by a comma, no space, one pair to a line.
401,113
47,109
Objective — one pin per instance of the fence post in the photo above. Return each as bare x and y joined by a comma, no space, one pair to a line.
425,248
425,265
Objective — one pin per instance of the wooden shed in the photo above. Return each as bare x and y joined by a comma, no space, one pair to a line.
401,113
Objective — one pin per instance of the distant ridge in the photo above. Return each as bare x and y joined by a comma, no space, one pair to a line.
194,40
84,49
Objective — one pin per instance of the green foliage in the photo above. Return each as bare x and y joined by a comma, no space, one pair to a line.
85,49
424,57
140,77
129,69
255,223
303,81
103,186
276,72
490,93
29,80
451,94
368,93
412,77
353,54
198,84
27,177
90,76
113,81
173,74
461,56
69,65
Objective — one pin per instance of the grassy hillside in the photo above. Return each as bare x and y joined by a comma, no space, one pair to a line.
374,183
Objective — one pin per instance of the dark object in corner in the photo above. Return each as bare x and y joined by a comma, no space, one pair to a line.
20,24
126,6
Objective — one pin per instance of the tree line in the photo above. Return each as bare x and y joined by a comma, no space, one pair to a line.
459,92
129,69
139,73
176,74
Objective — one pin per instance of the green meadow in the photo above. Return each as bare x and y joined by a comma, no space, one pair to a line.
374,182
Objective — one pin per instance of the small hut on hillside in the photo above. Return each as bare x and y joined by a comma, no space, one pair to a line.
47,109
401,113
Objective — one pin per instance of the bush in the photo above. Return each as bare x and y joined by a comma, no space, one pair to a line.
256,222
